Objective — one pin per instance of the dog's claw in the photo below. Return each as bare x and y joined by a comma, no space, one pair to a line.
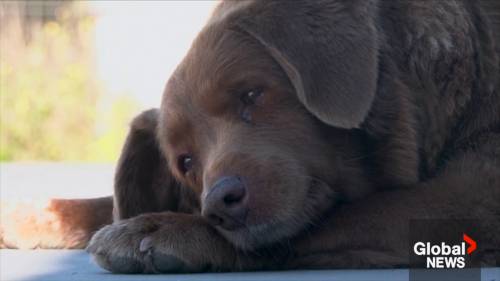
146,244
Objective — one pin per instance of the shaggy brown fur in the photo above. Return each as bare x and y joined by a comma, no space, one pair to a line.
324,126
363,115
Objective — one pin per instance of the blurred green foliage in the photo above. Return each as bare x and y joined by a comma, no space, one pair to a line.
50,100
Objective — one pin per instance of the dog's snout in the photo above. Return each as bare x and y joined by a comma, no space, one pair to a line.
225,204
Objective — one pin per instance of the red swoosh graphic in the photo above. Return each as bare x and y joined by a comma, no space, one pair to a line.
472,244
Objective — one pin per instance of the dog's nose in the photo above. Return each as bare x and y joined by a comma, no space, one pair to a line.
225,203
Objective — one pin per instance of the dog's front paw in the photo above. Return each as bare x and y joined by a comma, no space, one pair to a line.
141,244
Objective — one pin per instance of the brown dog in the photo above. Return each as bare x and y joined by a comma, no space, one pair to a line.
284,119
307,134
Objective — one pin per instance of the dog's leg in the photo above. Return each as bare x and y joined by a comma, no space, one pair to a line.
168,242
375,232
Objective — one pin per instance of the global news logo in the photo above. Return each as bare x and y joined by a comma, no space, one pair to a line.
442,255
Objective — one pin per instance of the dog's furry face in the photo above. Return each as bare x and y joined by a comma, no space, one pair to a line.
231,110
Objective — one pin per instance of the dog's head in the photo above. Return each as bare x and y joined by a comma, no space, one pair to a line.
256,118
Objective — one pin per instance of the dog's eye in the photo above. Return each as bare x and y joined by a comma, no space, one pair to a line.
184,163
249,99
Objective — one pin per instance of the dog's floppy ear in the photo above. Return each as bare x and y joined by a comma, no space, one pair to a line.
143,182
328,49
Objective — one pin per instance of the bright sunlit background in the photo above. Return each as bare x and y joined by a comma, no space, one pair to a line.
74,73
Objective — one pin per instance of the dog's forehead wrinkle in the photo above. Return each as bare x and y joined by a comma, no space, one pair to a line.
182,111
174,120
219,54
176,95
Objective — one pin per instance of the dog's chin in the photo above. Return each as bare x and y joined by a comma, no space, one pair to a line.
274,230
